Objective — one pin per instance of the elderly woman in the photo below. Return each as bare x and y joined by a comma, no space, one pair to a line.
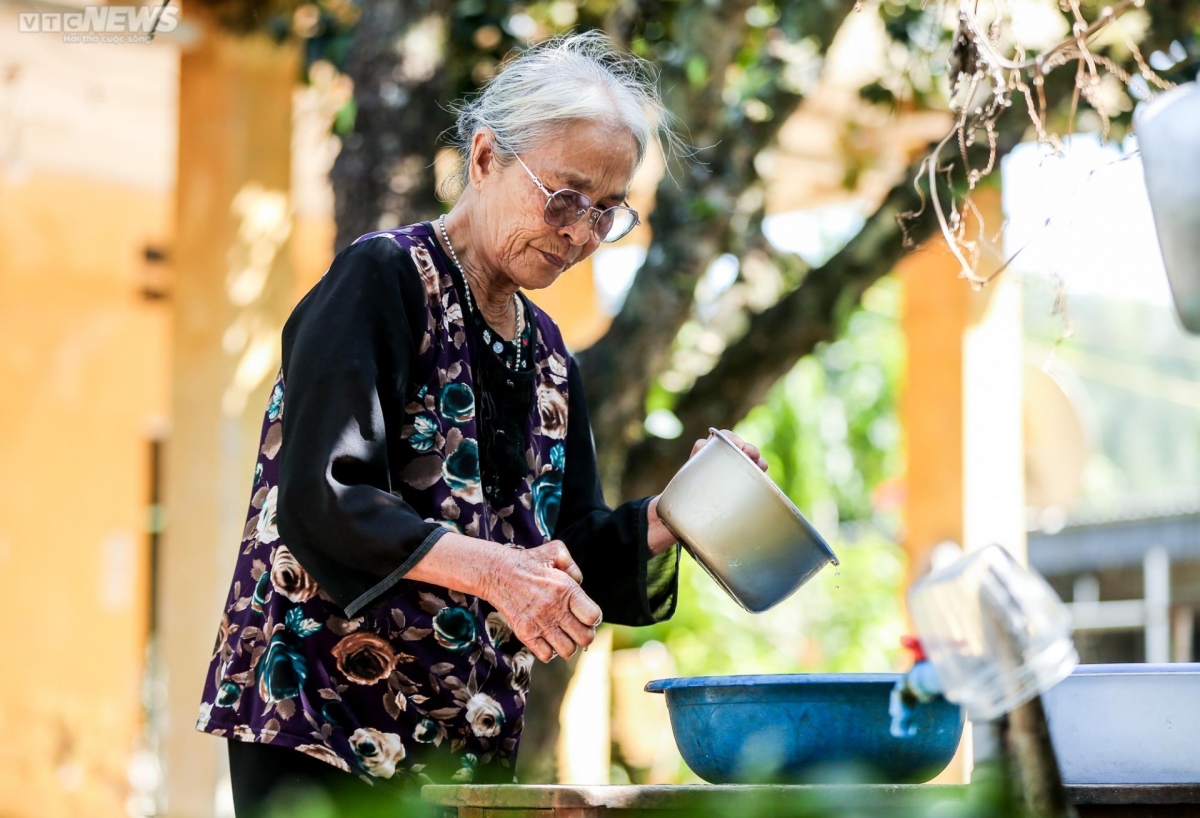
427,515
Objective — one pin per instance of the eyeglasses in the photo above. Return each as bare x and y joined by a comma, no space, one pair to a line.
566,207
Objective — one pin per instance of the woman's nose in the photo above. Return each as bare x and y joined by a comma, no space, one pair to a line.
579,233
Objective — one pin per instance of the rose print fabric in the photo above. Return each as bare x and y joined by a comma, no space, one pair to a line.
327,649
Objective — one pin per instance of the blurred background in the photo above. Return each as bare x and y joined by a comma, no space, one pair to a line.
164,205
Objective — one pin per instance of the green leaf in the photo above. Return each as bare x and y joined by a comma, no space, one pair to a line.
343,120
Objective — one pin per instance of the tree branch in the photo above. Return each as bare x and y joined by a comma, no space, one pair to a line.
779,336
690,223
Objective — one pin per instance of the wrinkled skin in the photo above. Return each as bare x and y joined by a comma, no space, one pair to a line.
497,225
542,600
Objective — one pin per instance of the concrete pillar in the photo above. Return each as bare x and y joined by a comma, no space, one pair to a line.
1156,581
936,310
993,408
962,405
231,292
585,737
962,410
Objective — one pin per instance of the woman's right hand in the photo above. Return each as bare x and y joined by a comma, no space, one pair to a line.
537,590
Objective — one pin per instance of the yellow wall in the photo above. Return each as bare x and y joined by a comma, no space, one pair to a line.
234,286
84,371
92,372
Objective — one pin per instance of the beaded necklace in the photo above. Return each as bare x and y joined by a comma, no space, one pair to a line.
519,344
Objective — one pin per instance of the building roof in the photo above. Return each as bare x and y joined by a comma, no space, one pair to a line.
1119,535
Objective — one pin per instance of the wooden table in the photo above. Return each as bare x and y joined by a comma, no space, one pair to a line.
754,801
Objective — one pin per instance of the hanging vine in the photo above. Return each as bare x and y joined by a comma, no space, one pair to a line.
985,80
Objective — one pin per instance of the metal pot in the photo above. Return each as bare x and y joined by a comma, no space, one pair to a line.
1168,132
740,527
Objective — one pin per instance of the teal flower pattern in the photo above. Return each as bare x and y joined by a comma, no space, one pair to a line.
282,669
336,714
547,494
461,471
228,694
454,629
457,404
426,732
261,589
275,407
547,491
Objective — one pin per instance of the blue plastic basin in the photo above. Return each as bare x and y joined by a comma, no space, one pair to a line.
805,727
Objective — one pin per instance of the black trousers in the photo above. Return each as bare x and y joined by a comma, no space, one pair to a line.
273,782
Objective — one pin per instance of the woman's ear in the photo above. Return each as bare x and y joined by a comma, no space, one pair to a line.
482,162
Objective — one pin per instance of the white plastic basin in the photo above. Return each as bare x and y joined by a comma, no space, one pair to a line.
1127,724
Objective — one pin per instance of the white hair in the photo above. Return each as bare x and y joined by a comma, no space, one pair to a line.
567,78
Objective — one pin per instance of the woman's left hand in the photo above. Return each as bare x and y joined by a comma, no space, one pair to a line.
659,536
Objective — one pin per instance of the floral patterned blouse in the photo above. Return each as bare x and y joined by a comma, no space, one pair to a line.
391,423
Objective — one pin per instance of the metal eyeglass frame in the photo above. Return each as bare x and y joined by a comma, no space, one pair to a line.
593,213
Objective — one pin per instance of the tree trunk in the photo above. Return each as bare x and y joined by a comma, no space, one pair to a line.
383,176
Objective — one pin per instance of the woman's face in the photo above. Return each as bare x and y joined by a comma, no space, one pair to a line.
593,158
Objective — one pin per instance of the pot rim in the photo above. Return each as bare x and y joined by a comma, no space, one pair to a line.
1147,111
1138,669
771,679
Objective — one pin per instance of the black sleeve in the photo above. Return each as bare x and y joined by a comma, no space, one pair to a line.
609,545
348,349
